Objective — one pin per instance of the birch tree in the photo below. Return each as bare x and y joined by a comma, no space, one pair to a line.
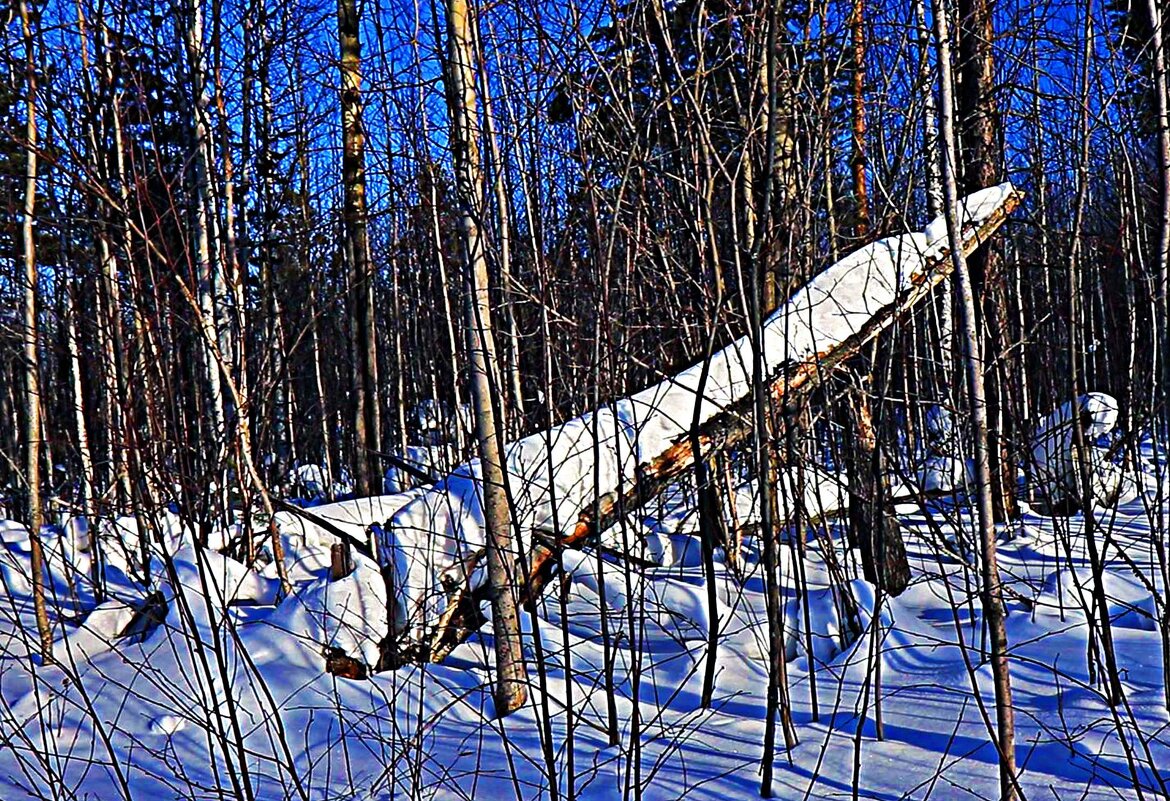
207,275
992,593
511,680
32,387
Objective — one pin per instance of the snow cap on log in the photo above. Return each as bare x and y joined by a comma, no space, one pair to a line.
976,208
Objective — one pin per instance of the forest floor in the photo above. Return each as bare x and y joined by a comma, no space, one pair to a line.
229,697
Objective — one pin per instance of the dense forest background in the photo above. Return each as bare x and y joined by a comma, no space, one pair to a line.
194,255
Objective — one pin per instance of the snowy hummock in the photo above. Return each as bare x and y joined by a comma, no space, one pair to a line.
354,517
944,469
348,614
555,474
1055,470
312,481
429,731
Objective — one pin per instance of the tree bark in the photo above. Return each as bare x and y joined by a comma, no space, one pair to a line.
761,305
201,205
778,121
80,407
873,527
983,167
504,234
32,362
111,332
231,280
366,420
858,161
992,592
932,170
511,681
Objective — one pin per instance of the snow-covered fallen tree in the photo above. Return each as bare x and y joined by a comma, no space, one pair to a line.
574,480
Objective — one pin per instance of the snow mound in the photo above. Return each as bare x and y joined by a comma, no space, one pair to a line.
945,474
97,635
353,517
348,614
823,629
14,534
1130,604
433,459
308,480
206,583
940,428
645,542
1055,463
943,469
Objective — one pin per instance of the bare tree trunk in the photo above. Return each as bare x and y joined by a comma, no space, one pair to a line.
933,173
111,333
993,608
504,233
778,123
1103,632
449,313
89,98
982,167
279,389
304,238
367,433
399,441
319,380
858,160
760,305
79,416
200,144
233,272
32,362
872,525
109,337
511,680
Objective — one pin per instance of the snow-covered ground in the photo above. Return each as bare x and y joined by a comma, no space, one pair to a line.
229,696
196,677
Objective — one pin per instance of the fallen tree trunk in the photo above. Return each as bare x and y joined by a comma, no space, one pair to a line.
811,335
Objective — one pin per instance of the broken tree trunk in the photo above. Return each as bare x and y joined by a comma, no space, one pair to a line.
434,544
873,527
